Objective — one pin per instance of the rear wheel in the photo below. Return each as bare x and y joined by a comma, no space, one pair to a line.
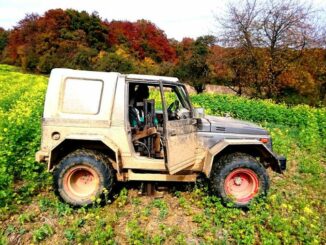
82,176
238,178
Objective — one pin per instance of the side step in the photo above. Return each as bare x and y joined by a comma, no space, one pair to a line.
161,177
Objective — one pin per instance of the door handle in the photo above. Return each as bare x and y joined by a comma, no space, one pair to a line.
173,133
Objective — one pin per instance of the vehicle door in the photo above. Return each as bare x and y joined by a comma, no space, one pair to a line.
179,128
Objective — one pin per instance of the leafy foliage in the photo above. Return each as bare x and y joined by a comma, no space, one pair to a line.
43,232
193,62
3,39
254,59
142,38
73,39
20,112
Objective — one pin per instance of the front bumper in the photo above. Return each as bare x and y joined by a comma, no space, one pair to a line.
282,162
41,156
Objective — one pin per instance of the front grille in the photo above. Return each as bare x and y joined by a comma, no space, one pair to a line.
221,129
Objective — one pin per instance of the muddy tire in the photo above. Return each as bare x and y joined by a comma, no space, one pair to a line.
238,178
82,176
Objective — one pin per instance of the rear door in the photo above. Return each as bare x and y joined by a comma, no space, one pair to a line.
179,128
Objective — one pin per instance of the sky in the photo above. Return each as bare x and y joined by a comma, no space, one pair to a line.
178,18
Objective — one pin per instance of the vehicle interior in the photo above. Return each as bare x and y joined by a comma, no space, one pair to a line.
149,110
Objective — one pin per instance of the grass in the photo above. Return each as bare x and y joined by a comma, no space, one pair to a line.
292,213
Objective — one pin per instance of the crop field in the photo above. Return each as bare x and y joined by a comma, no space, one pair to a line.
294,212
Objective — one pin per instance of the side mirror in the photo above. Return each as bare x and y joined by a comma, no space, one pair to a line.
199,112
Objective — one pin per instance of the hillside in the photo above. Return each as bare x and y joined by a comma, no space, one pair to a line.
80,40
292,213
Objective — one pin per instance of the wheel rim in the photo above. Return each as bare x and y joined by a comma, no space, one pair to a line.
242,185
81,181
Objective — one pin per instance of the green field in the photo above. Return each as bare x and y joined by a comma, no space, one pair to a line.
294,212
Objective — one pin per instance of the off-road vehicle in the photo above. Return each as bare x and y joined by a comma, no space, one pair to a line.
103,127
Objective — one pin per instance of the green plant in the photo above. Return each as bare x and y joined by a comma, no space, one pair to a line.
122,198
134,233
70,234
25,217
162,206
157,239
42,233
181,239
20,110
102,234
63,209
3,239
45,204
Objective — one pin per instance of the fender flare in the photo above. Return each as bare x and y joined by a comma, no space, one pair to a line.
106,141
220,146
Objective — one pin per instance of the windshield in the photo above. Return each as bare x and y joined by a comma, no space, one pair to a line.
180,90
177,102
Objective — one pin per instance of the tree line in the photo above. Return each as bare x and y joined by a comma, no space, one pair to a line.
265,49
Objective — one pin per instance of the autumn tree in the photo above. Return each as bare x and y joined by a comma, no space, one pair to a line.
142,38
3,39
118,61
21,48
59,38
193,62
91,25
271,36
313,64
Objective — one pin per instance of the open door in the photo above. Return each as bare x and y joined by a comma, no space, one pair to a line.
181,144
179,128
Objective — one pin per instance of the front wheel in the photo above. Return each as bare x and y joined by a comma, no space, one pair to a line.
82,176
238,178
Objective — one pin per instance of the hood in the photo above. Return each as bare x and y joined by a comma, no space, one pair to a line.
230,125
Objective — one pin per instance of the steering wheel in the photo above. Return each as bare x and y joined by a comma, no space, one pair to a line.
174,105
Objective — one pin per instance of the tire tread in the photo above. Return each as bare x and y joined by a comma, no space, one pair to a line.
101,164
228,163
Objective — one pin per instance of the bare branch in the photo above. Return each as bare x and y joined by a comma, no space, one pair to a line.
271,35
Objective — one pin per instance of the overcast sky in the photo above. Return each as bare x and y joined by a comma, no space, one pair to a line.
178,18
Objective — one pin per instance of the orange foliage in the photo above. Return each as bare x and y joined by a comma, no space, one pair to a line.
73,39
143,38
